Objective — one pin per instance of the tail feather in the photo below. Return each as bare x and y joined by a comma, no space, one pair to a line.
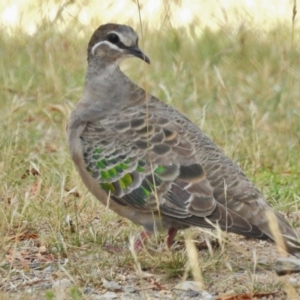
292,245
269,224
290,237
281,233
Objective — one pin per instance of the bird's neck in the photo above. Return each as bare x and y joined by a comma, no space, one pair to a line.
108,88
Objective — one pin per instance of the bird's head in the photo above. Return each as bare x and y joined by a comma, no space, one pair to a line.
114,43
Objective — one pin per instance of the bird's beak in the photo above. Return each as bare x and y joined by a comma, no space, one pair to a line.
136,51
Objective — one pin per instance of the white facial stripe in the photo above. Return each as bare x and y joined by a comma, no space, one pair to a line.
128,42
107,43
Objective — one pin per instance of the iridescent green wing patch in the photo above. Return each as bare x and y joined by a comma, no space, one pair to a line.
139,196
106,168
108,186
126,181
140,167
112,171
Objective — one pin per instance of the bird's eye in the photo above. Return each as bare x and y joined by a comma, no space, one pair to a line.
113,38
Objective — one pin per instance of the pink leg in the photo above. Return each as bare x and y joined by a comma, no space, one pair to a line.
139,242
113,249
171,234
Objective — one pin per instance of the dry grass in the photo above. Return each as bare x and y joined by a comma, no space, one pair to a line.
240,86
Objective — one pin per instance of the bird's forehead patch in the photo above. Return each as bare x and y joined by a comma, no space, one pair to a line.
128,38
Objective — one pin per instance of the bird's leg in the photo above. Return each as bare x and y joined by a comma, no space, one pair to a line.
137,246
139,242
171,234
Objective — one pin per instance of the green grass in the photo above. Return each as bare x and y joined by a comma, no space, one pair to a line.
241,87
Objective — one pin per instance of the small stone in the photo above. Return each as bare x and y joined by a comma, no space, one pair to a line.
88,290
62,283
108,296
191,294
187,285
95,297
121,277
111,285
191,289
129,289
49,269
293,280
287,265
130,296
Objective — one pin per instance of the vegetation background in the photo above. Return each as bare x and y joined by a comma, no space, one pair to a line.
231,66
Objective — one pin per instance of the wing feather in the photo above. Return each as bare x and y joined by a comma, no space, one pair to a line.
150,162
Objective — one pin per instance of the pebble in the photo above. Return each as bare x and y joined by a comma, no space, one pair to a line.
62,283
187,285
126,296
121,277
129,289
108,296
88,290
287,265
96,297
29,291
49,269
191,289
293,280
111,285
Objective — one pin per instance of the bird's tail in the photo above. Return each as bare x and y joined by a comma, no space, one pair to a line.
283,234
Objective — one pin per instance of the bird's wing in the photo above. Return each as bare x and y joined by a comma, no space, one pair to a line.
148,160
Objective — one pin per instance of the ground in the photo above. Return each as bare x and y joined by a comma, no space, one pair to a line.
239,84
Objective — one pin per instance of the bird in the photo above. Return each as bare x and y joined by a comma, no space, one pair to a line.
149,163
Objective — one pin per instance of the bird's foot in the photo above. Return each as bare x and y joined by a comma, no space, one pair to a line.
138,244
171,235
